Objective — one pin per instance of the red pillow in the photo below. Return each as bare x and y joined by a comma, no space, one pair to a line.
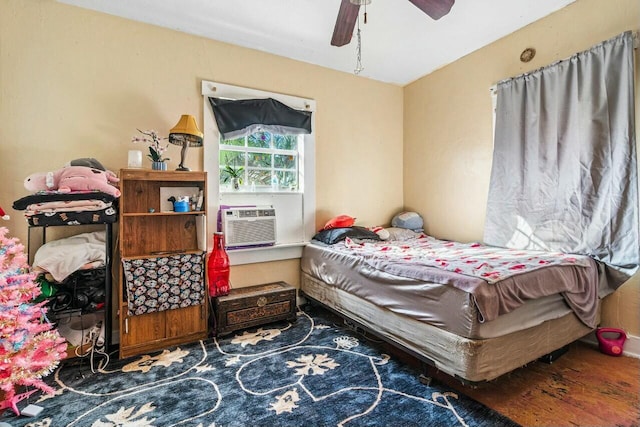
339,221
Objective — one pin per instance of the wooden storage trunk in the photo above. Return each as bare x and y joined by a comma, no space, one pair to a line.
254,305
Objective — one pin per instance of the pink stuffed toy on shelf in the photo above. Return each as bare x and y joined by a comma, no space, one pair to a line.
73,178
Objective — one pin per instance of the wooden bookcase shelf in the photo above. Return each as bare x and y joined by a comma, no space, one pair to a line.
151,214
146,232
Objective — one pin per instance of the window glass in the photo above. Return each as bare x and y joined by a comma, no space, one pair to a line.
260,139
288,180
285,142
237,141
261,161
232,165
284,161
259,177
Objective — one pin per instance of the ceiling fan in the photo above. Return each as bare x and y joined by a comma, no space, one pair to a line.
348,14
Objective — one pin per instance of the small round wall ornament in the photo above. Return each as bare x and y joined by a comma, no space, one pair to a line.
527,54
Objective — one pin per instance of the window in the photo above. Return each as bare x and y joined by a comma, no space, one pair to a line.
262,155
262,161
564,172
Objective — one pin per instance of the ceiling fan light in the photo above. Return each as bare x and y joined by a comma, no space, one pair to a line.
360,2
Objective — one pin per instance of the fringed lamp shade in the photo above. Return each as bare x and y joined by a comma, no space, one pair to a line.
187,134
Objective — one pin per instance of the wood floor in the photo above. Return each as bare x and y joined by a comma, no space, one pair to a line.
582,388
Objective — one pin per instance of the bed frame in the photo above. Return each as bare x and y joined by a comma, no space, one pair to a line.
472,361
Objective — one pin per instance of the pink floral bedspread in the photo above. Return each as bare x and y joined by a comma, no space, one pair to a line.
500,280
489,263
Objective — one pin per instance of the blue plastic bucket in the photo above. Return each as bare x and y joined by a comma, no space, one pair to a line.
181,206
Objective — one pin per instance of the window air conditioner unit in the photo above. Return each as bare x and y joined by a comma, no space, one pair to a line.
246,227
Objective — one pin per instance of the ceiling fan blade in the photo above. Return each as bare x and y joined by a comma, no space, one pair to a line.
434,8
345,22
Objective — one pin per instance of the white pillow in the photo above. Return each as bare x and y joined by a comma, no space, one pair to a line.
381,232
401,234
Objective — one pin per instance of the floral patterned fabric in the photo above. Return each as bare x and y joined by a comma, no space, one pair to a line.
489,263
102,216
164,283
499,280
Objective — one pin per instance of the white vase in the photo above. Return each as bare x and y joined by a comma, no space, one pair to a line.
235,184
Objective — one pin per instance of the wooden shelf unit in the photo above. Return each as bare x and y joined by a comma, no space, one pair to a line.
146,232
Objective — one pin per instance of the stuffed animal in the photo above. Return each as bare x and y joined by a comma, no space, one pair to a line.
73,178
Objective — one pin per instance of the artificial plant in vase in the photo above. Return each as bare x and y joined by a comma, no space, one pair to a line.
156,149
29,348
233,173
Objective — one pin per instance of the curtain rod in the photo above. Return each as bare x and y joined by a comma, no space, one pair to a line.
635,35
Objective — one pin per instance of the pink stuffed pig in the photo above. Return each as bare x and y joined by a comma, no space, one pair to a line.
73,178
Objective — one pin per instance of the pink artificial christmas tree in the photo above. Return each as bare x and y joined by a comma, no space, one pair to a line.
29,348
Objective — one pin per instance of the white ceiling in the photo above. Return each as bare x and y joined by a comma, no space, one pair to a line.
399,43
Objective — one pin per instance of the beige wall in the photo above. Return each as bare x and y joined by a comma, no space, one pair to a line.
448,126
76,83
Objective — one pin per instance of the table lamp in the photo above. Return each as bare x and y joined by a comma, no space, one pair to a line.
185,133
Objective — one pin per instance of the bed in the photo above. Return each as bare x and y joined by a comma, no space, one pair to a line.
469,310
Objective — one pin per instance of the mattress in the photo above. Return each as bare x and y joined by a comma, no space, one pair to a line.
470,360
442,306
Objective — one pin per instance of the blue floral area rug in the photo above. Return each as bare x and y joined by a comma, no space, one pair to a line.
307,373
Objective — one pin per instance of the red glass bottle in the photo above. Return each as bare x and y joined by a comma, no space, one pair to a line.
218,267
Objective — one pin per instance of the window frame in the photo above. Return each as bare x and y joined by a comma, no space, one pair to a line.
306,178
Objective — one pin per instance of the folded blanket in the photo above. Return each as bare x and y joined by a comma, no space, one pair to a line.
64,256
103,216
52,196
67,206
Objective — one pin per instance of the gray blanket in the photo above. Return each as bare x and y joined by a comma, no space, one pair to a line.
578,285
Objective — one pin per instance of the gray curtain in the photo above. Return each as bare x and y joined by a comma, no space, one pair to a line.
564,174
